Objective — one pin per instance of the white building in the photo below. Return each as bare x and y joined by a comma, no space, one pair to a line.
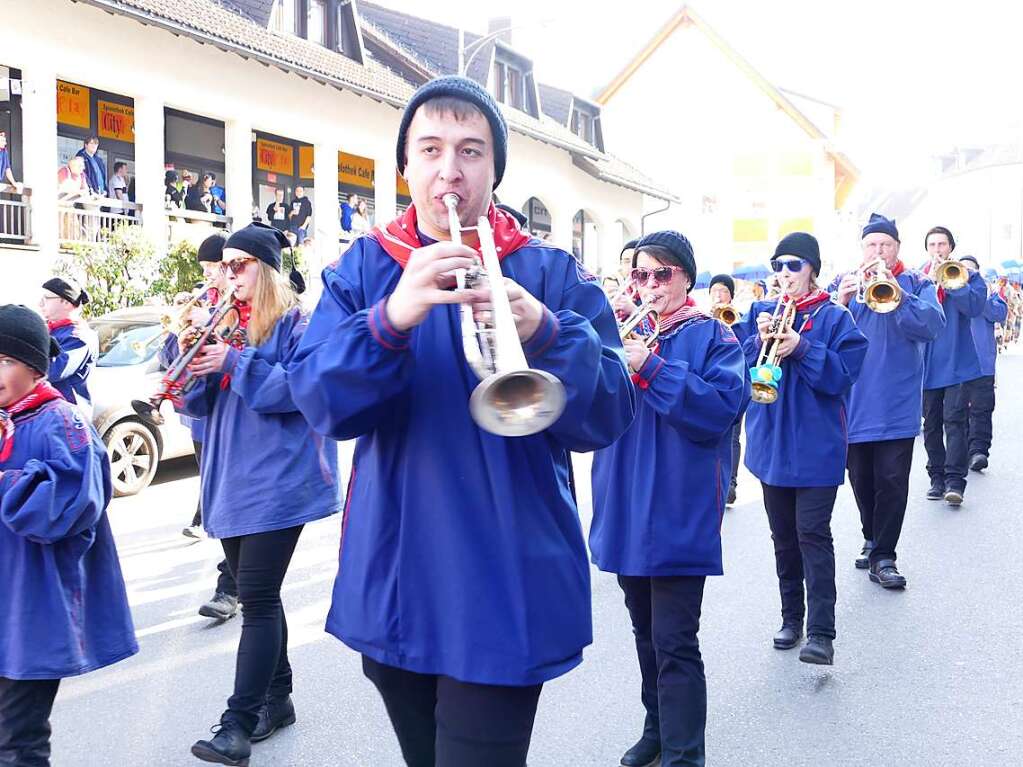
267,94
746,159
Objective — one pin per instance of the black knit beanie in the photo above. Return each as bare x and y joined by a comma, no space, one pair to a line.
676,244
802,245
212,248
265,243
467,90
726,280
24,337
67,289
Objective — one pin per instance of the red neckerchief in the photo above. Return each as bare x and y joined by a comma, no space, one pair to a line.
59,324
941,290
898,269
40,395
683,314
401,236
238,337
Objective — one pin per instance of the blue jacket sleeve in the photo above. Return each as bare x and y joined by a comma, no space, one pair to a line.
580,345
262,384
995,309
970,298
59,496
198,400
749,337
169,352
831,368
919,314
702,403
73,354
350,364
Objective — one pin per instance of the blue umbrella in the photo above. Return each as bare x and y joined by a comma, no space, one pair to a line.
702,281
990,274
1012,264
753,272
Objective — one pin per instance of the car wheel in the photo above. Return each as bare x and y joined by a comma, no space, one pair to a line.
134,455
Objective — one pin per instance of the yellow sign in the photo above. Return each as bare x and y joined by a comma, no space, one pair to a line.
749,230
795,225
402,186
354,170
305,161
116,121
274,157
73,105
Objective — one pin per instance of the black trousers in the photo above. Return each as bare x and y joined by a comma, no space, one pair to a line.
25,708
259,563
945,435
879,475
800,520
197,517
225,581
441,722
665,614
980,396
736,451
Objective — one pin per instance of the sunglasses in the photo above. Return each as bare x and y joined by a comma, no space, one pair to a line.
661,274
238,265
794,265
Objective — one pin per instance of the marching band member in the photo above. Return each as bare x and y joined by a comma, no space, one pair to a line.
722,293
463,579
980,392
63,606
796,446
658,495
886,401
949,362
69,371
264,476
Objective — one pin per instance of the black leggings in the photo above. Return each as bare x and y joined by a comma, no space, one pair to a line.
25,721
441,722
259,563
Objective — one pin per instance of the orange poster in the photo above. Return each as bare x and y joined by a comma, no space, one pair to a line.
305,161
73,105
274,157
401,186
116,121
354,170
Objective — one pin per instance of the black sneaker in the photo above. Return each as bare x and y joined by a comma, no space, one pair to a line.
954,497
646,753
978,462
937,491
275,714
229,745
818,650
221,607
863,560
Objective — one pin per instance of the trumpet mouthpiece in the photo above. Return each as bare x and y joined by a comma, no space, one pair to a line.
450,200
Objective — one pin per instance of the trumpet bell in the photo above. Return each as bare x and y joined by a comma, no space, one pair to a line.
726,314
951,275
882,296
764,394
517,403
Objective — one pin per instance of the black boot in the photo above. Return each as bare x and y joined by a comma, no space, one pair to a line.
937,489
275,714
229,745
731,495
978,462
645,753
221,607
788,636
954,496
863,560
818,650
887,575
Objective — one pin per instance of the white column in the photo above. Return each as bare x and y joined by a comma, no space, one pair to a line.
238,163
149,169
326,216
39,154
384,186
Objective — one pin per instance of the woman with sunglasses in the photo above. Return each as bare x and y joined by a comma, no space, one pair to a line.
659,495
797,445
265,474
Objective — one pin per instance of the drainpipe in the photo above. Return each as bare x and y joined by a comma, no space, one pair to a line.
642,220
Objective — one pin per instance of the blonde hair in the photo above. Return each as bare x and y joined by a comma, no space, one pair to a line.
272,298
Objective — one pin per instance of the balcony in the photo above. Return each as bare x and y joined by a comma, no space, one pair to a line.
91,220
193,226
15,216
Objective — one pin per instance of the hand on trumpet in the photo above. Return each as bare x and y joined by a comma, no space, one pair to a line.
624,304
847,288
188,337
526,309
636,352
788,340
210,359
426,282
764,322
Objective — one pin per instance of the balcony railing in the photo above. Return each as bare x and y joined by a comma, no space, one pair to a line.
15,215
91,220
193,226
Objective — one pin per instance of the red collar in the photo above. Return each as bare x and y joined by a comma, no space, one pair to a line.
59,324
809,300
40,395
401,236
898,269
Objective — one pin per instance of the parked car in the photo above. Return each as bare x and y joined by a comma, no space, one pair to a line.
128,367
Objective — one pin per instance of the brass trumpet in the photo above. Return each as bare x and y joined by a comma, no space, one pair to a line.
878,290
512,399
177,323
643,316
951,274
766,374
726,313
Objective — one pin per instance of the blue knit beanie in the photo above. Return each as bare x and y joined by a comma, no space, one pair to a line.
879,223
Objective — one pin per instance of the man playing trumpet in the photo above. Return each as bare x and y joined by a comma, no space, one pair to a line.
885,403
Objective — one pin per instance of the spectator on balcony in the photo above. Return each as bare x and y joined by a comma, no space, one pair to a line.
199,196
301,214
72,184
277,211
6,173
95,170
360,219
171,193
118,189
219,197
347,209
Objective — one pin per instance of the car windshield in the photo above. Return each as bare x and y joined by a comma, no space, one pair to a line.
127,342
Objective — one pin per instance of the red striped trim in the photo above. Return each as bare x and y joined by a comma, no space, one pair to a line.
545,335
375,331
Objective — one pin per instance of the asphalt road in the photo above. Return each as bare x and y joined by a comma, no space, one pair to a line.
930,676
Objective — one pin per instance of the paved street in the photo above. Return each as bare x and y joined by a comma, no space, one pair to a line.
930,676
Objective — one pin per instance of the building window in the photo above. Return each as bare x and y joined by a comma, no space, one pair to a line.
509,85
582,125
282,18
316,22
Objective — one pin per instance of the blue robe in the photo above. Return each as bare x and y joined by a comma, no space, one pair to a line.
983,329
887,399
462,553
659,491
69,370
801,439
63,606
263,468
951,358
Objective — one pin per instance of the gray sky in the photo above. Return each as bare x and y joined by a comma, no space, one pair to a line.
913,77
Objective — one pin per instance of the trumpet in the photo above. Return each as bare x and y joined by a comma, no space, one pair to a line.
223,322
878,290
512,399
766,374
951,274
176,324
726,313
642,325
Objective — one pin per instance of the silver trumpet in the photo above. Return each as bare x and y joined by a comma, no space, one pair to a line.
512,399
